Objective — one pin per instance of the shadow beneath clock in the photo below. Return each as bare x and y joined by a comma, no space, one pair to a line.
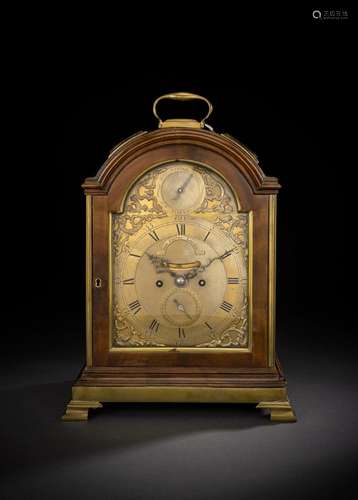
33,434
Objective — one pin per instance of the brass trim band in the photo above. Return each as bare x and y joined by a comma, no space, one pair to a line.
272,280
179,394
89,280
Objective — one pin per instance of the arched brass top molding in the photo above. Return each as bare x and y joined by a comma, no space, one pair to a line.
142,142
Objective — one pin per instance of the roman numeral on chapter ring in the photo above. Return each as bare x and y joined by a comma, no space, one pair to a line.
233,281
154,326
129,281
154,235
181,229
226,306
135,306
181,333
207,235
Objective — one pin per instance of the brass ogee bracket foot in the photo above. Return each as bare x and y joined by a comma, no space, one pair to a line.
78,410
280,411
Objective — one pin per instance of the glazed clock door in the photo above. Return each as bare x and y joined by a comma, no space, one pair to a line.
180,269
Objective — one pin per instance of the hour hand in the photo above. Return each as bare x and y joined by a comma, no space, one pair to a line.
157,261
161,265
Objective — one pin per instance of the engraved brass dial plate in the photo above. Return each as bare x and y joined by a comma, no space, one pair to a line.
180,272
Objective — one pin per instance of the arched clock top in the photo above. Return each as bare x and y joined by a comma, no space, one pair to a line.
171,144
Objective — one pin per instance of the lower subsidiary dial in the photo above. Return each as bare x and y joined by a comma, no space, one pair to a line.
181,308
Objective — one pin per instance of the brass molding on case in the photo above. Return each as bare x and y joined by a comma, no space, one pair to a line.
179,394
272,280
89,298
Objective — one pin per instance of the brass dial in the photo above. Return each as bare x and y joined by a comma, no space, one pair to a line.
181,188
181,307
180,279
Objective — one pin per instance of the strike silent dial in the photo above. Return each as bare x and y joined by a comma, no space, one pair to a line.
182,188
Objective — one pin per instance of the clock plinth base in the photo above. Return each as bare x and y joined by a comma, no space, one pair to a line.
77,410
266,387
280,411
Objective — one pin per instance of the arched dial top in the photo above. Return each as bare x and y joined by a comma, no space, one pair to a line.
180,254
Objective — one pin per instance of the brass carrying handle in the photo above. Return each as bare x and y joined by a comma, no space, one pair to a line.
183,96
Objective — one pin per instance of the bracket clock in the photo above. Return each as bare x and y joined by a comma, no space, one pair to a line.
180,273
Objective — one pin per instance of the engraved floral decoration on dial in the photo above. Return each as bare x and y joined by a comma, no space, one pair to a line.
179,265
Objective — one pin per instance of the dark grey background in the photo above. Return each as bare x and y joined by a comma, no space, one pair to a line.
76,85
